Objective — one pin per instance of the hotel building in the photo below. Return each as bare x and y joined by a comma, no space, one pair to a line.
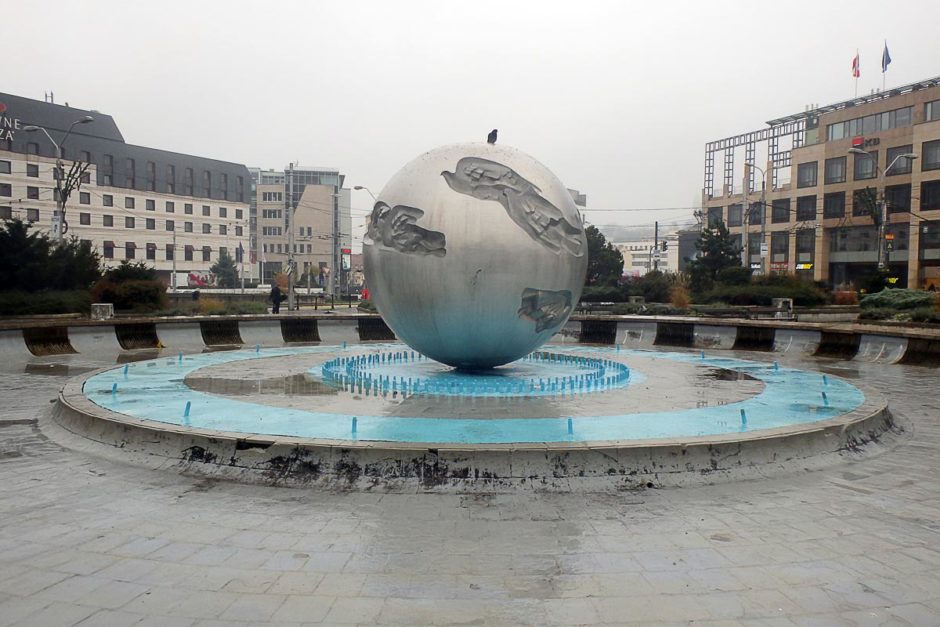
846,188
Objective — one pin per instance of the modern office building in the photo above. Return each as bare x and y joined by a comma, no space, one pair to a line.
847,188
322,225
642,256
173,211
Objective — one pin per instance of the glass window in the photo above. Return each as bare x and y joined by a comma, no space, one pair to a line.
898,198
4,167
170,206
108,250
755,213
735,215
188,209
207,228
151,224
150,204
130,250
223,230
779,245
128,202
238,213
932,111
931,158
900,164
170,225
780,210
206,253
169,252
86,177
864,202
834,205
6,190
107,220
835,170
151,251
806,240
238,231
188,227
866,166
32,215
84,198
930,195
806,208
806,174
714,216
6,212
128,222
32,170
903,117
32,193
188,253
107,200
84,219
205,210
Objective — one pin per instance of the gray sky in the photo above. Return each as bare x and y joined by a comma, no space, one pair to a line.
617,98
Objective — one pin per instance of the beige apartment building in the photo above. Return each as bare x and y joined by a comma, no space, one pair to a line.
321,230
848,188
172,211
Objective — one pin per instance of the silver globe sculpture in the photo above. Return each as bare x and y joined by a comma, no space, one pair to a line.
475,255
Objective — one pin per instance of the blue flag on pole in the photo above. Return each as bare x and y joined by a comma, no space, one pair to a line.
885,59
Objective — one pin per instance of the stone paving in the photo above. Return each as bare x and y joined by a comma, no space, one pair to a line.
93,541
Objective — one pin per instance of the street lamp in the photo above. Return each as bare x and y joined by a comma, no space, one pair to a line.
360,188
882,205
747,216
59,225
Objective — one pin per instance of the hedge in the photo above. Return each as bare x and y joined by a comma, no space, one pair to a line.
19,303
899,299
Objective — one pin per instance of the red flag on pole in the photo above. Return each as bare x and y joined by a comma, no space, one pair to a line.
856,66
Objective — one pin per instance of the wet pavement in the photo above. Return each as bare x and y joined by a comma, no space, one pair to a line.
86,539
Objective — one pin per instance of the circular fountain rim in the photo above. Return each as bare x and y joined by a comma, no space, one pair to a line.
874,406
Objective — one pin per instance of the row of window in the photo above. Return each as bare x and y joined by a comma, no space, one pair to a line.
864,202
278,248
150,224
149,181
866,166
870,124
130,251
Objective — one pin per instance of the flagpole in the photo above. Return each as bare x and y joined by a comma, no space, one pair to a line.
857,71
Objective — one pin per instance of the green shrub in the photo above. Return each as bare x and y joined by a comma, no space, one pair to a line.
602,294
925,314
734,275
803,293
899,299
136,295
647,309
877,313
19,303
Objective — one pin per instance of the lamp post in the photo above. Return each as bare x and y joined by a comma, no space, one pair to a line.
360,188
747,216
59,225
881,207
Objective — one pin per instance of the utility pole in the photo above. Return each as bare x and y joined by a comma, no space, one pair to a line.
337,261
656,245
290,238
174,258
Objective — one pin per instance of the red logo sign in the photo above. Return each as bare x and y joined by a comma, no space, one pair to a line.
3,107
858,142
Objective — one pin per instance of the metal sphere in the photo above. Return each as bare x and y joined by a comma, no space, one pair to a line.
475,254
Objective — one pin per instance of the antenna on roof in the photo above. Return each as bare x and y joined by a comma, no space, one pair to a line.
49,97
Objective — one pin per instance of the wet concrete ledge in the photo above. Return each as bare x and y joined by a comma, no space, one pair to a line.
549,466
919,346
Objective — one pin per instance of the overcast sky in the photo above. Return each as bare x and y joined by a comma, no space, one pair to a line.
617,98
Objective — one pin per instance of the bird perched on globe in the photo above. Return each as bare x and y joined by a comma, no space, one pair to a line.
475,254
